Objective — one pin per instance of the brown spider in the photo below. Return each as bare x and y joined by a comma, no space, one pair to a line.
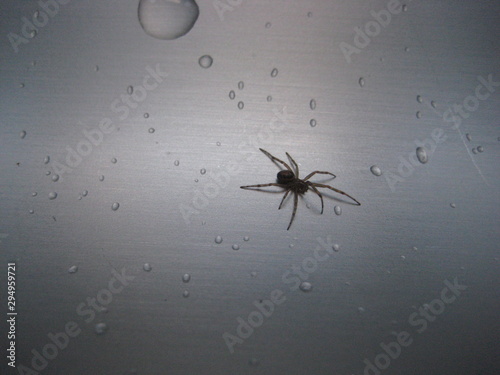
290,181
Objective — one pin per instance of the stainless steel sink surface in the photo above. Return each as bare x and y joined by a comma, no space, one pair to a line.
128,128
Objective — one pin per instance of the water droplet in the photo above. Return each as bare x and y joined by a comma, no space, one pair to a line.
269,98
253,362
46,160
361,82
55,178
375,170
167,19
31,212
96,68
186,278
176,163
34,194
418,114
196,180
22,134
206,61
468,137
146,115
232,94
309,14
185,294
480,149
115,206
474,150
336,247
218,239
407,49
235,246
151,130
33,33
274,72
337,210
422,155
253,274
433,104
47,173
268,25
203,171
85,193
147,267
306,286
361,309
218,143
73,269
101,328
312,104
114,160
101,178
453,205
21,85
246,238
415,248
130,90
241,105
313,123
241,85
291,246
405,7
403,257
419,99
53,195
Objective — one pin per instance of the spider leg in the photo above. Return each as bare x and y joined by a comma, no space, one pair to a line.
284,197
260,185
319,172
336,190
294,164
295,201
275,159
319,195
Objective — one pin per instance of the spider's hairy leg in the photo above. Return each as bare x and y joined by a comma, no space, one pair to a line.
319,195
295,202
294,163
336,190
318,172
260,185
275,159
284,197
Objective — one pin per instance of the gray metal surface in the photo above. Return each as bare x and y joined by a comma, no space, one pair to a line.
406,283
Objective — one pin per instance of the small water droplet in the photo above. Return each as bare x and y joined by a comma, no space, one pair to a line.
21,85
167,19
114,160
376,171
309,14
101,178
241,85
403,257
269,98
101,328
336,247
415,248
130,90
361,309
253,274
407,49
185,294
291,246
312,104
480,148
115,206
306,286
235,246
55,178
474,150
218,143
253,362
22,134
468,137
241,105
206,61
433,104
47,173
453,205
53,195
34,194
218,239
85,193
203,171
418,114
246,238
176,163
313,123
419,99
146,115
73,269
232,94
31,212
405,7
151,130
186,278
361,82
46,160
274,72
33,33
96,68
147,267
268,25
422,155
337,210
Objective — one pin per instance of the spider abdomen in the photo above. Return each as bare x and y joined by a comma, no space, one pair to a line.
299,186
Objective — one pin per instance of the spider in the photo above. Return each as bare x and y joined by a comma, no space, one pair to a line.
290,181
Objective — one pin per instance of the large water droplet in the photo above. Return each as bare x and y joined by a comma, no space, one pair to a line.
147,267
312,104
206,61
130,90
185,294
361,82
53,195
480,148
218,239
241,105
22,134
235,246
186,277
338,210
203,171
168,19
313,123
306,286
274,72
73,269
232,94
422,155
115,206
46,160
376,170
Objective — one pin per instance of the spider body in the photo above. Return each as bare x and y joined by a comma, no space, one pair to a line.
289,180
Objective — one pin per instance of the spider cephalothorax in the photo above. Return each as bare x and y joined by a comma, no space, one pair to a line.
291,182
